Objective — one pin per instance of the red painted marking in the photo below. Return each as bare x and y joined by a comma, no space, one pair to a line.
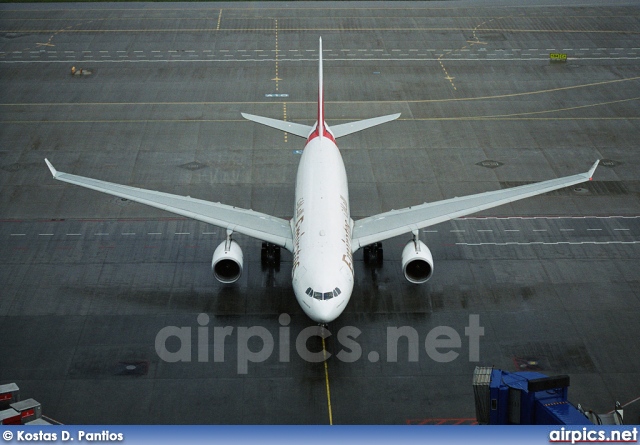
325,134
27,413
6,396
15,420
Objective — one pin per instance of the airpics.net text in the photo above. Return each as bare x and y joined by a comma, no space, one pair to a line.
257,344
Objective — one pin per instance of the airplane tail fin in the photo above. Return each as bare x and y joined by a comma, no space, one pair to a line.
321,129
320,124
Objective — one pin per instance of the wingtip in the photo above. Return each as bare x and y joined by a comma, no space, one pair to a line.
52,169
593,169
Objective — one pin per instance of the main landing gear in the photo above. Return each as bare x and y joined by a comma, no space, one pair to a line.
373,255
270,257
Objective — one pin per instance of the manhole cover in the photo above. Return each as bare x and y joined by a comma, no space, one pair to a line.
121,202
581,190
490,164
195,165
132,368
609,163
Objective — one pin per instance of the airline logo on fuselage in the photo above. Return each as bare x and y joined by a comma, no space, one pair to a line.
297,234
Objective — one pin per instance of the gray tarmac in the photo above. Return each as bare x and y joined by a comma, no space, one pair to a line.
90,282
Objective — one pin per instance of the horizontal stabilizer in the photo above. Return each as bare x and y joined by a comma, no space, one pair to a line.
352,127
290,127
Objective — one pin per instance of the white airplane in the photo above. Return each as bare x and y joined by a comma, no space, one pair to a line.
321,235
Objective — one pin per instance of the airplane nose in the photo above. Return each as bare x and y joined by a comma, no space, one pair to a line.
325,312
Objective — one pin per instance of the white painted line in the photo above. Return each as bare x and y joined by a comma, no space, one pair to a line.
127,233
101,234
594,230
18,234
621,230
74,234
550,244
539,230
154,233
512,230
45,234
430,231
485,230
457,231
567,230
208,233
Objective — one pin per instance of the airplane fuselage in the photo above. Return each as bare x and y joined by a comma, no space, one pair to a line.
322,273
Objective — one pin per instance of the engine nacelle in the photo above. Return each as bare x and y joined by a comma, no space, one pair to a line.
226,264
417,262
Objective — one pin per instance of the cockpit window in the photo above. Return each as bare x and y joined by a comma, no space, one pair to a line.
321,295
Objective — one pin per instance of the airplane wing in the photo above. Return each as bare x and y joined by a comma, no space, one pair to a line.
396,222
257,225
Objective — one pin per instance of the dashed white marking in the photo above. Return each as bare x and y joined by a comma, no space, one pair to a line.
572,243
594,230
154,233
74,234
101,234
183,233
128,233
45,234
18,234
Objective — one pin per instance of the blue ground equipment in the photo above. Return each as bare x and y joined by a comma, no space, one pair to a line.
530,398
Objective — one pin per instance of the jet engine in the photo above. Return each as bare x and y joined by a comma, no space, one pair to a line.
417,262
226,264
